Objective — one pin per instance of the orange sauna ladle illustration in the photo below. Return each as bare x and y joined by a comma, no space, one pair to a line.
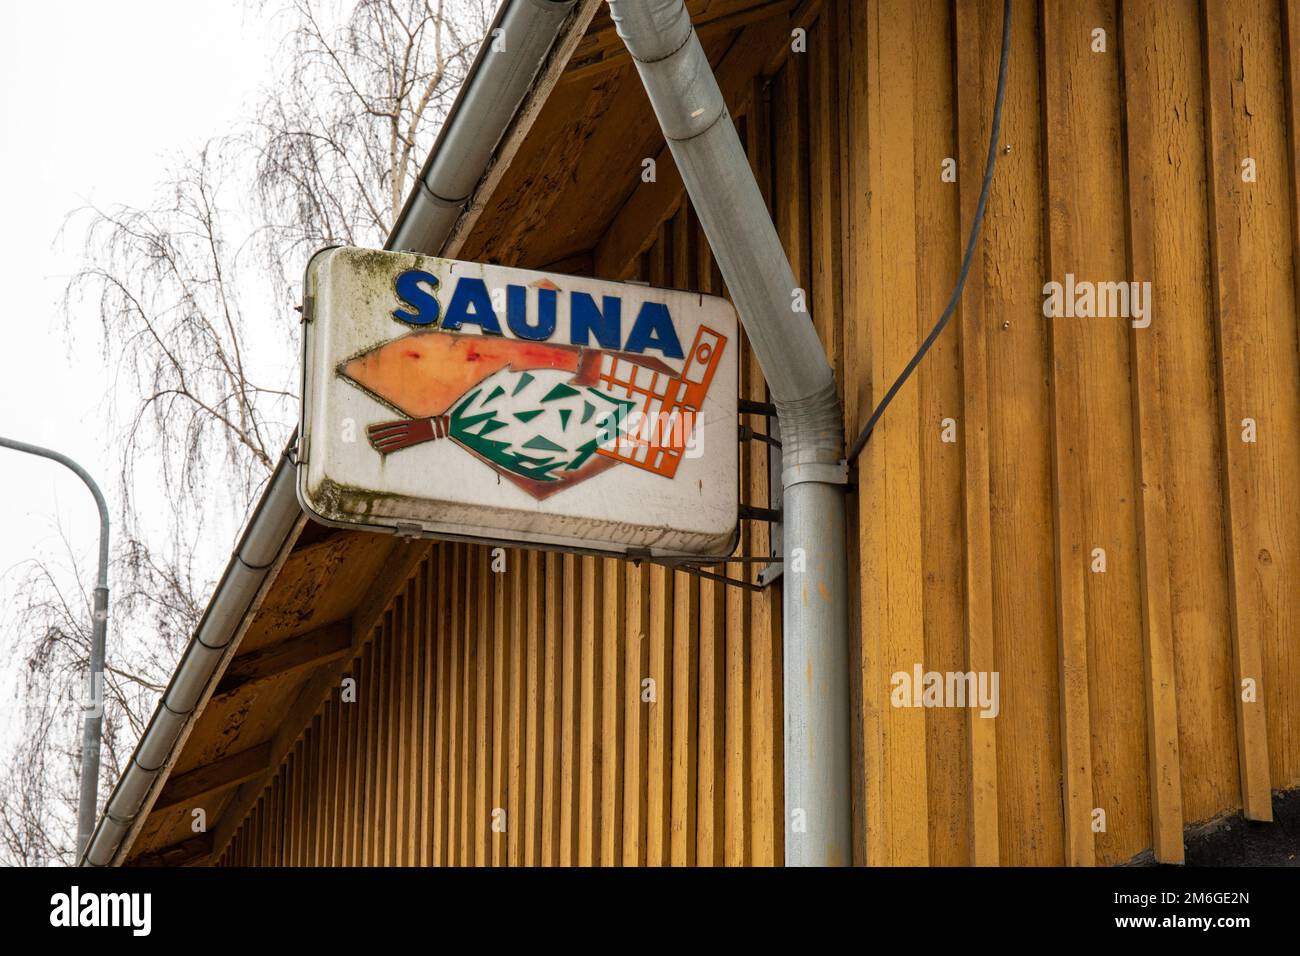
544,416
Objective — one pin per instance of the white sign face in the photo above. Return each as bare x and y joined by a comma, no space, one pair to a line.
466,400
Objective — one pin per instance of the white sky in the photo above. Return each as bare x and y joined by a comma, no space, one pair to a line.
95,100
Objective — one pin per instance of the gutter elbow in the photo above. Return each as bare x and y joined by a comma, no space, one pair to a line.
812,438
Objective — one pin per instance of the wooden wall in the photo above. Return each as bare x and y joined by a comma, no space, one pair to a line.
1120,690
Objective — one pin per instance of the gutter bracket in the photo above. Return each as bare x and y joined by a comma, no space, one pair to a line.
296,453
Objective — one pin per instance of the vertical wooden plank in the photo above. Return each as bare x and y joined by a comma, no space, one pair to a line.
314,808
339,779
1068,464
285,811
261,826
976,51
370,701
589,764
516,791
1291,69
364,769
323,832
417,685
337,787
1286,651
272,855
635,715
266,856
613,688
301,798
427,690
365,760
483,726
308,794
550,744
266,830
351,764
379,819
455,737
533,705
294,809
1026,646
321,783
311,790
389,749
413,723
889,540
1088,226
658,774
329,733
339,783
938,385
826,189
474,567
685,697
454,635
292,813
251,837
571,601
1140,65
441,702
401,701
1257,355
281,817
281,856
501,623
336,778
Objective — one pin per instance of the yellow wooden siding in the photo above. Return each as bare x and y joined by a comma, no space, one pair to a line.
520,698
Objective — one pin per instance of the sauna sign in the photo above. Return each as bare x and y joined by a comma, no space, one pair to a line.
475,401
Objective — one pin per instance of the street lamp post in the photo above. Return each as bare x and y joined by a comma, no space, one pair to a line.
92,725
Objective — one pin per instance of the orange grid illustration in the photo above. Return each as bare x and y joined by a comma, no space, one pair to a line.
665,419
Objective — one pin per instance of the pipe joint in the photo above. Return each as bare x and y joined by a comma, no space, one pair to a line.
683,91
812,438
651,29
428,193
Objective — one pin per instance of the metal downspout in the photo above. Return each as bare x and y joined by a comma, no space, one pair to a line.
518,44
689,106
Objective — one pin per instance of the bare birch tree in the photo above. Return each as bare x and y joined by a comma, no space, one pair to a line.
199,413
340,141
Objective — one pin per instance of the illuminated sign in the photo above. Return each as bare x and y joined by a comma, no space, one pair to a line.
465,400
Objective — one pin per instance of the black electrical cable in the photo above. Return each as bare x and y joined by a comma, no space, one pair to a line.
970,244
